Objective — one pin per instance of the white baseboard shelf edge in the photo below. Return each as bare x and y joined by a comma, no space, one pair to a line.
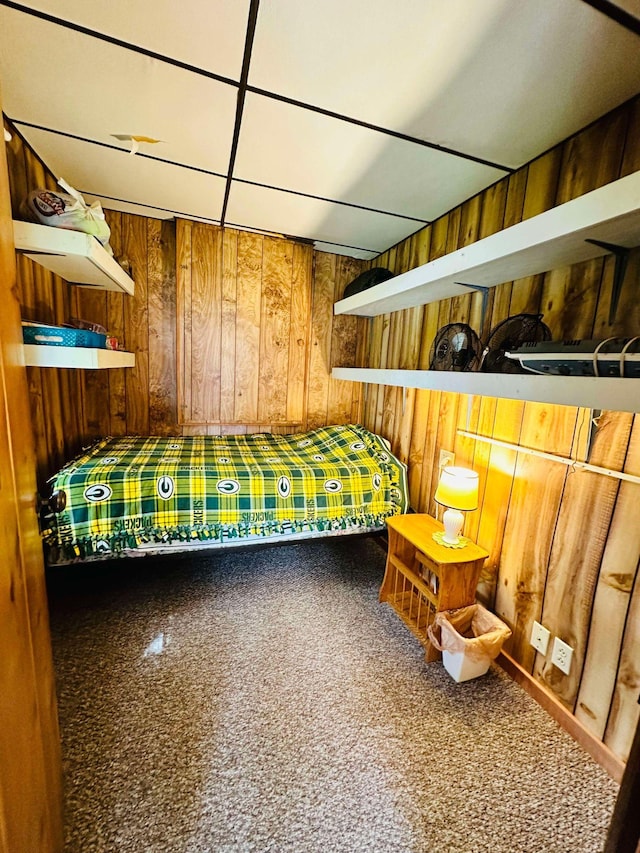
612,394
37,355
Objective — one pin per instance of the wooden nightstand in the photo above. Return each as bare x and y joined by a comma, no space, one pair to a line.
423,577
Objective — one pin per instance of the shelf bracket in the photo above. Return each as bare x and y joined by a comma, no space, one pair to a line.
485,296
621,254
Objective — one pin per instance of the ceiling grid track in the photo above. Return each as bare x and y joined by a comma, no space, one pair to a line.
617,14
254,89
242,92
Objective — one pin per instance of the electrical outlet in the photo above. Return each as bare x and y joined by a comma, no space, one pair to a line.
447,457
540,638
561,655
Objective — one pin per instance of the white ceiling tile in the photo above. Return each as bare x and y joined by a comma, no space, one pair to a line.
96,170
207,34
296,149
297,216
97,90
499,80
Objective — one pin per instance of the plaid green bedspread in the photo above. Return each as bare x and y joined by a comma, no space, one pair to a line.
129,491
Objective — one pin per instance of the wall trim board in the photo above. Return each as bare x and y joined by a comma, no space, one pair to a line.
587,740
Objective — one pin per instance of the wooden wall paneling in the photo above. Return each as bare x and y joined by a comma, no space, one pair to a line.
297,371
491,220
409,360
416,447
395,399
468,416
427,422
380,340
441,433
540,194
594,157
19,186
74,396
421,402
275,330
625,710
228,319
497,493
360,389
627,315
627,319
611,600
343,346
570,298
92,305
375,333
631,152
184,235
248,313
115,327
49,302
162,327
576,554
205,323
509,522
320,349
30,784
589,160
484,423
382,359
468,230
499,299
134,242
533,508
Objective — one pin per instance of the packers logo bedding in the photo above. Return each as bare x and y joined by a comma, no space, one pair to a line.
128,492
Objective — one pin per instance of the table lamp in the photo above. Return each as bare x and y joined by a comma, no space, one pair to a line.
457,491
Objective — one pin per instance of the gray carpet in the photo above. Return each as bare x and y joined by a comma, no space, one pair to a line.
265,701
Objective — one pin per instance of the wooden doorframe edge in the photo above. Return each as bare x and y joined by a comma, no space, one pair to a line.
599,751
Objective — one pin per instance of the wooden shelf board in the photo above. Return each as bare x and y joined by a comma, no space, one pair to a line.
36,355
76,257
613,394
550,240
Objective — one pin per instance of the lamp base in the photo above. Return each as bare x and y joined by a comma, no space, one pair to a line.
453,520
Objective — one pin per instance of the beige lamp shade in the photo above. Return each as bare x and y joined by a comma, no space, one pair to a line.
458,489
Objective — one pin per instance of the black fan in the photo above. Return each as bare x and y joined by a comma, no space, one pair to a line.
455,347
508,335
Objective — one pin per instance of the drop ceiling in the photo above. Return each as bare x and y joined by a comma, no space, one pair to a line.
349,123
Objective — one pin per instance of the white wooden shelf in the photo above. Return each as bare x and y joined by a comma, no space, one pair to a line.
618,395
76,257
556,238
41,355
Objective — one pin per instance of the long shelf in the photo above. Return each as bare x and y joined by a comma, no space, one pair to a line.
73,255
38,355
556,238
618,395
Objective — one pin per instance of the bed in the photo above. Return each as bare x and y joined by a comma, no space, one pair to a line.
136,495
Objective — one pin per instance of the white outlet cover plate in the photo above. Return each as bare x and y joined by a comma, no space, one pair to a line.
540,637
561,655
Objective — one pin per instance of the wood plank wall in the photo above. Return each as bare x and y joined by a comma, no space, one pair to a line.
256,333
31,776
242,339
564,544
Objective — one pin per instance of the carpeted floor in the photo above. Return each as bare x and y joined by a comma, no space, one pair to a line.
265,701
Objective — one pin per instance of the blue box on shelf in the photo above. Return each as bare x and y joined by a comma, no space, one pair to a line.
61,336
